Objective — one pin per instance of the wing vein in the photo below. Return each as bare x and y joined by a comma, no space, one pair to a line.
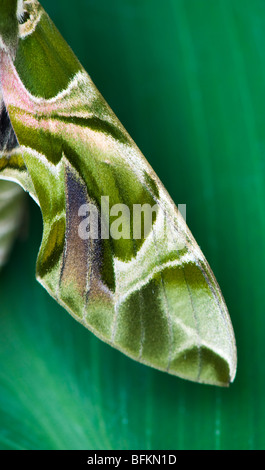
196,321
170,328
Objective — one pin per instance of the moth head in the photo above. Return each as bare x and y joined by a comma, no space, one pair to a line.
18,18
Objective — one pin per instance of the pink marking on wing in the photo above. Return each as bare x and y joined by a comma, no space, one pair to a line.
15,94
30,110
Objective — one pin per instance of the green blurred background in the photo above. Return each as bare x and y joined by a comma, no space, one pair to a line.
187,80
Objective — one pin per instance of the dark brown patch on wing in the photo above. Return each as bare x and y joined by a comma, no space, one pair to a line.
82,260
8,140
77,259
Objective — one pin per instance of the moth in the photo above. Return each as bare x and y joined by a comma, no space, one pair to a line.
146,290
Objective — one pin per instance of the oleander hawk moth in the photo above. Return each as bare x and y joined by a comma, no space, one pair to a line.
148,292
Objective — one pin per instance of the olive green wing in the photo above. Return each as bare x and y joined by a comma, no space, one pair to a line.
148,292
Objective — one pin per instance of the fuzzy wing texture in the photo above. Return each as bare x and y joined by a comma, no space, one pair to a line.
152,297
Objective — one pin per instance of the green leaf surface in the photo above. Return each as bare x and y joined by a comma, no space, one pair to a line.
186,78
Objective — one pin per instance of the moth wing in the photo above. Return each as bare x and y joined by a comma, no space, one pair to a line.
154,297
